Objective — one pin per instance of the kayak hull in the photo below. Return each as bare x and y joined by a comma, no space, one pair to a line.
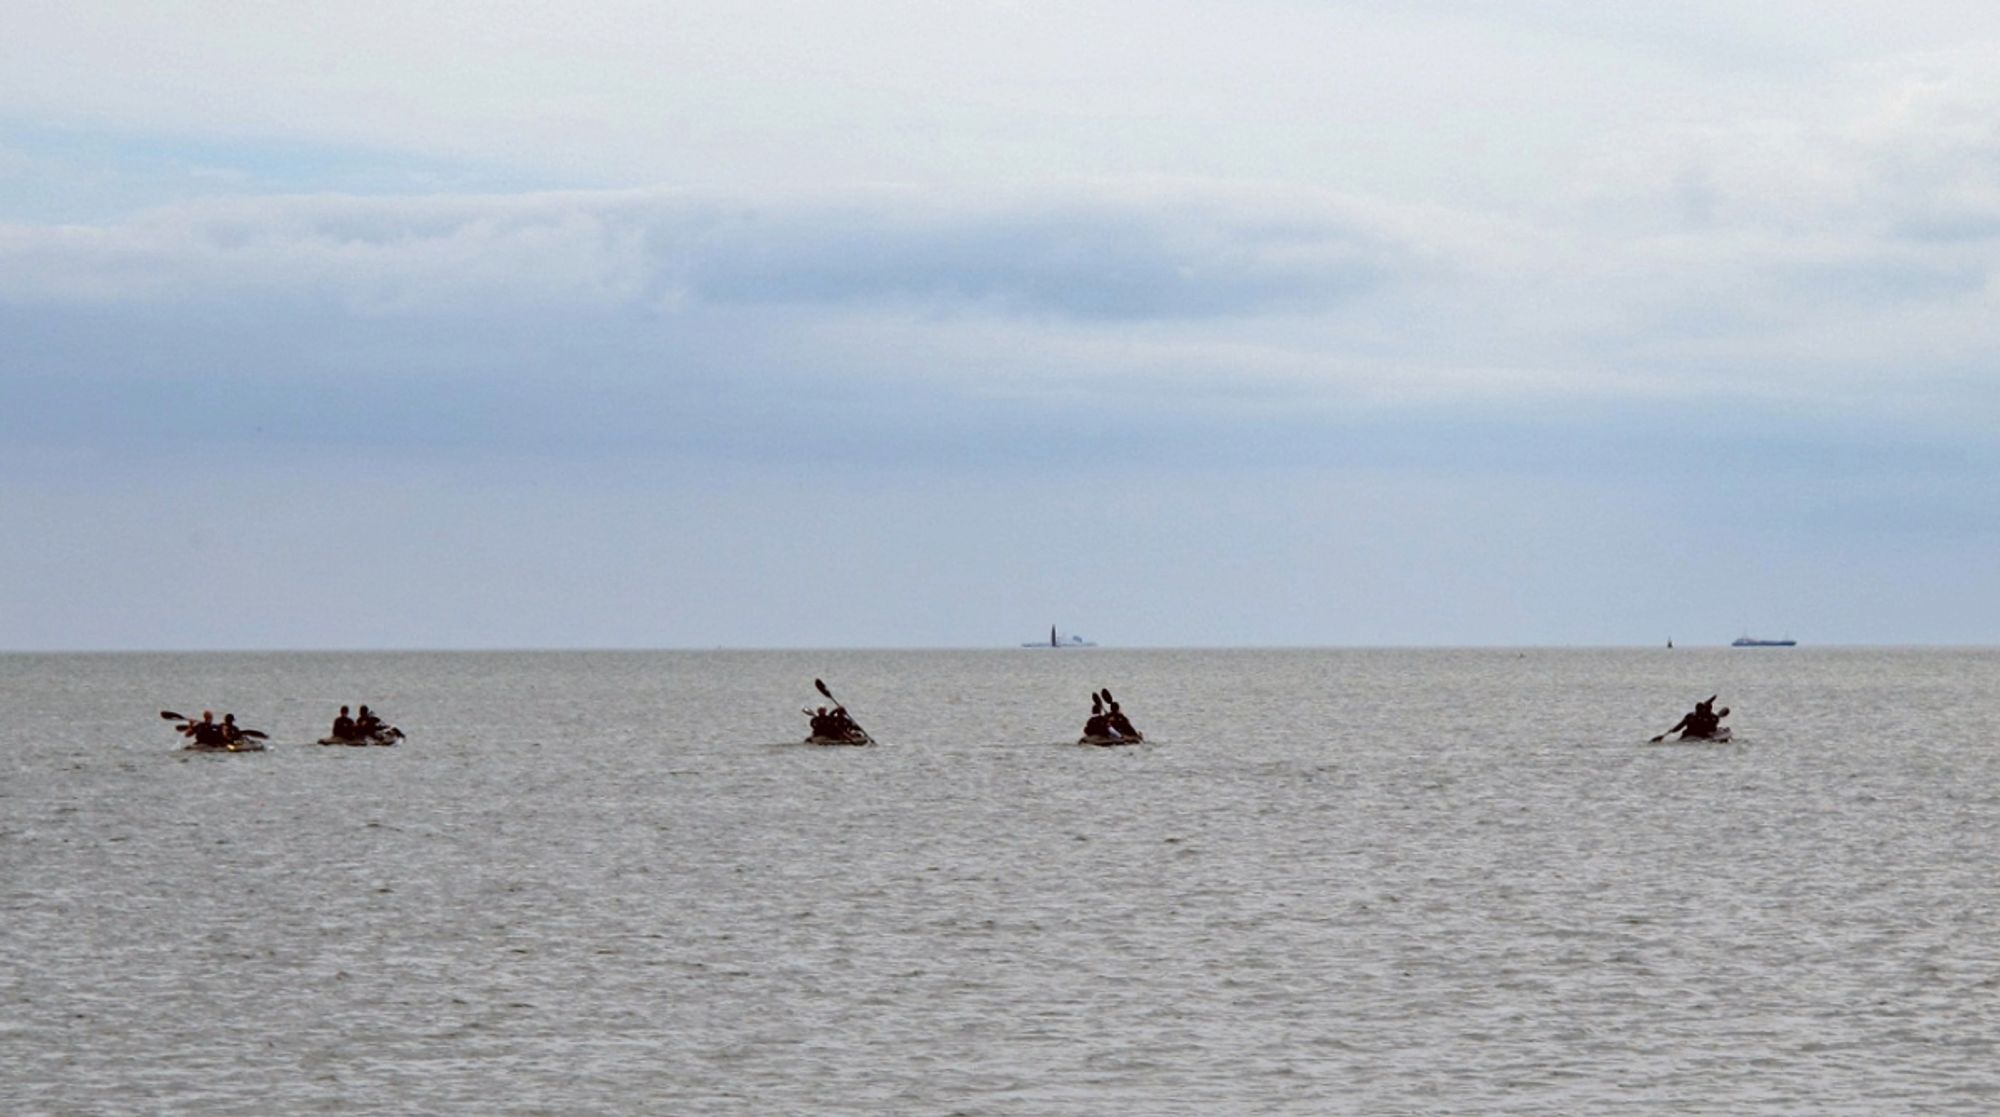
240,746
377,739
862,739
1720,737
1108,742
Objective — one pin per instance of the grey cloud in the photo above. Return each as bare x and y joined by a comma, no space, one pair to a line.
1078,256
1098,260
1876,280
1950,227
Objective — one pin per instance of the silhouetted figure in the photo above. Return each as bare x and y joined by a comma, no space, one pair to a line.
1097,727
206,732
834,725
344,728
1703,723
1122,725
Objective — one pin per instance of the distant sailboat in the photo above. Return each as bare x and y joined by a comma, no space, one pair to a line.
1055,641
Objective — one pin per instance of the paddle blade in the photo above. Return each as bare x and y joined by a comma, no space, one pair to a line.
256,734
1107,696
822,689
172,716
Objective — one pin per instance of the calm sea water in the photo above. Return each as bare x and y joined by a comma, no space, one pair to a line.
1340,882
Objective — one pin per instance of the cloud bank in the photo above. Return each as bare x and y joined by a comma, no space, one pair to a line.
1373,318
1074,255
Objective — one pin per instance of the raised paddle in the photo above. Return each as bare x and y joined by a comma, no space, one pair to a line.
821,685
186,728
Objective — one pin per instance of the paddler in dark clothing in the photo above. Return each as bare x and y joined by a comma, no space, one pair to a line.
841,724
366,723
835,725
1699,724
344,728
230,733
206,732
1122,725
1098,727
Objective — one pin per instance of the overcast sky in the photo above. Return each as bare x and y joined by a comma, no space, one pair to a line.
932,324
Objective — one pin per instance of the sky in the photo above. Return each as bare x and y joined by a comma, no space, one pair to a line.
907,324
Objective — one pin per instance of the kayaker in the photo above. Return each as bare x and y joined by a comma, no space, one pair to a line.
365,723
840,724
343,727
822,726
1122,725
1699,724
205,731
1097,726
230,733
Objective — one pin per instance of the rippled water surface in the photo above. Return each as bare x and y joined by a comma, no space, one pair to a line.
1338,882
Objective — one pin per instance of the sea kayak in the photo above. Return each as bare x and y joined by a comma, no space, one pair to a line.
371,739
855,738
239,746
1107,742
1719,737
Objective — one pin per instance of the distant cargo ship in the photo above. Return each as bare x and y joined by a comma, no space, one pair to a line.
1074,641
1753,642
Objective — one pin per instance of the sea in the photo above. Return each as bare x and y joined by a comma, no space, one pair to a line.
1330,882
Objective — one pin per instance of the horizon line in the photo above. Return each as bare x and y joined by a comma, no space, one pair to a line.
731,648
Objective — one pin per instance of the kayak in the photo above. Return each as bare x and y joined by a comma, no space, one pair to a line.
240,746
1107,742
1720,737
856,738
373,739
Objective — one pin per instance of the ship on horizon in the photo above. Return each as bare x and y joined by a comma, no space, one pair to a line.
1055,641
1754,642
